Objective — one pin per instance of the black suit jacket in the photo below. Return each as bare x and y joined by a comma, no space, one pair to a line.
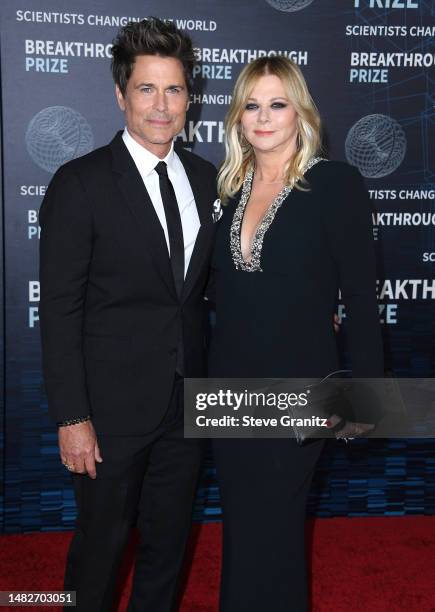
109,313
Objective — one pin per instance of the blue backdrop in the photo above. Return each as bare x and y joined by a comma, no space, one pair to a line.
369,64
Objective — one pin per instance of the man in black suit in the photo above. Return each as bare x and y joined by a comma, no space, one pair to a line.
127,232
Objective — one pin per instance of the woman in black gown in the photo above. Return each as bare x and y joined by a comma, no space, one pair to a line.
294,230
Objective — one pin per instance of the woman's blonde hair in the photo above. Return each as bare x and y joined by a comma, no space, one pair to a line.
239,156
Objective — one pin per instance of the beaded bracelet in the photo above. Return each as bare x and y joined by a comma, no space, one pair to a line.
75,421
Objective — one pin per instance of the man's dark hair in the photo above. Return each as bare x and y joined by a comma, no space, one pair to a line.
150,36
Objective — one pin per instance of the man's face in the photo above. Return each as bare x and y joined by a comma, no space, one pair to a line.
155,102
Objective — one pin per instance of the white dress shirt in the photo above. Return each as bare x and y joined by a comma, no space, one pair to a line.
146,162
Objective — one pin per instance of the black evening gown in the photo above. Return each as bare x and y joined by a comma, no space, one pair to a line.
274,319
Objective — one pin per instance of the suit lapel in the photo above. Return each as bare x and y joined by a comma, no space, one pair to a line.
201,193
138,201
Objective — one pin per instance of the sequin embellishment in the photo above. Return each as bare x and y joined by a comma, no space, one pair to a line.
257,243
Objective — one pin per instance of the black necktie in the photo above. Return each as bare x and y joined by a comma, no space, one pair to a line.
175,229
176,245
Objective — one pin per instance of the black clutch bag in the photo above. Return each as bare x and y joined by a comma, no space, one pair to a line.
326,398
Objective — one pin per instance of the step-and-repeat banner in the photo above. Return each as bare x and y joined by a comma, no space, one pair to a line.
370,67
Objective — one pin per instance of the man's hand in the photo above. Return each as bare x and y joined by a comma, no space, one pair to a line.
78,448
336,323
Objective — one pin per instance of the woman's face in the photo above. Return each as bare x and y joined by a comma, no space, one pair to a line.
269,121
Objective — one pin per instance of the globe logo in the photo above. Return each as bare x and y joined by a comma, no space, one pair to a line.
376,145
57,134
290,6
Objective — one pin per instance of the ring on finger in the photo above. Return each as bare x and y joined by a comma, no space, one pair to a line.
68,466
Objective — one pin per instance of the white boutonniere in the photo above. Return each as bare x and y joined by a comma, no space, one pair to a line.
217,210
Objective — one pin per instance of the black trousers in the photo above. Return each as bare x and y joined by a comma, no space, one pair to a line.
146,480
264,485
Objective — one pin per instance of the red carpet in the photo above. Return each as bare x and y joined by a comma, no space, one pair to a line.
359,564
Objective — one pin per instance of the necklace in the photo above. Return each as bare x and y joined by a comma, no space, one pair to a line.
270,182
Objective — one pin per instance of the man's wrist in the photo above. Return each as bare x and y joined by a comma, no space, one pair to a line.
74,421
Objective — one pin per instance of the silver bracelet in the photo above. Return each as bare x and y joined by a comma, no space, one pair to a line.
75,421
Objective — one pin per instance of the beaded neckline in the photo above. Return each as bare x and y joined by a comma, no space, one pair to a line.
257,243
